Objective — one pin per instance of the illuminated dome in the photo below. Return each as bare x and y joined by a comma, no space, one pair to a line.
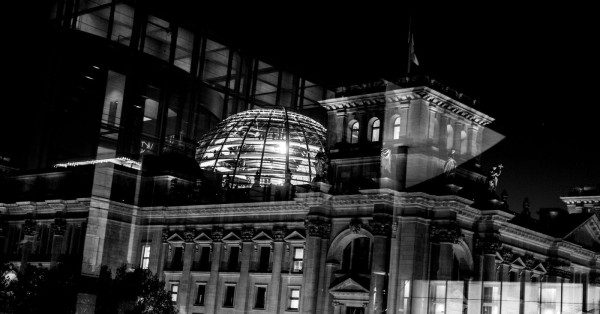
257,146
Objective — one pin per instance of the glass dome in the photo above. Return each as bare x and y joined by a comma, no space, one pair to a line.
257,146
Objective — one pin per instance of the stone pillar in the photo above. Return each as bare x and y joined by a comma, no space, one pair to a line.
489,247
211,288
58,227
275,285
30,233
330,269
241,290
185,288
323,286
393,269
337,307
381,229
315,230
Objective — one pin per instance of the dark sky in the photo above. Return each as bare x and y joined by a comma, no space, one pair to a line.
534,69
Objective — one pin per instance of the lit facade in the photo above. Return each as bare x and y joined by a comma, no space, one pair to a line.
389,227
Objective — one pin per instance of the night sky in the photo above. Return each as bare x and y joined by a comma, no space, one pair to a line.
533,69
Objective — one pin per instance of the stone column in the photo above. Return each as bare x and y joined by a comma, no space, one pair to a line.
489,247
275,285
185,288
381,229
30,231
241,290
323,285
315,230
211,287
337,307
58,227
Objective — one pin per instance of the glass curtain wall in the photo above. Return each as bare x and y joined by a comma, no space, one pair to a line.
189,84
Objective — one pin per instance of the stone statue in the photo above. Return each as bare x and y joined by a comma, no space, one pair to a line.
321,164
386,160
450,164
492,179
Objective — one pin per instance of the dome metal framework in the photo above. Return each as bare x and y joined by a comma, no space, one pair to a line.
257,146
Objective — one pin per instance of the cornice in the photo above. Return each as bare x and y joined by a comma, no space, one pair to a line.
49,206
591,199
428,94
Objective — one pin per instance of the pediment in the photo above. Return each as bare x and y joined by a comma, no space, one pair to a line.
231,237
203,238
586,234
175,238
518,262
295,236
349,285
262,237
540,268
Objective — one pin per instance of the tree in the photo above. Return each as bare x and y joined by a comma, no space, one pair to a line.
133,291
36,289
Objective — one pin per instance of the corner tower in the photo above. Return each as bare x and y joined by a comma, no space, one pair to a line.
399,135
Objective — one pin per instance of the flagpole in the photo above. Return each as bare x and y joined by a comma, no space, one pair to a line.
409,45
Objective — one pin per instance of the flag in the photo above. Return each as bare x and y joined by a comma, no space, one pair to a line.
411,44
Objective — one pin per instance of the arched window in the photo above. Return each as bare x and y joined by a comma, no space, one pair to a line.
449,137
396,127
356,256
375,127
354,128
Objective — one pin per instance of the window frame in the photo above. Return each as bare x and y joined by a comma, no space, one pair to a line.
198,285
354,129
374,128
396,128
291,298
145,258
294,259
174,291
265,297
225,289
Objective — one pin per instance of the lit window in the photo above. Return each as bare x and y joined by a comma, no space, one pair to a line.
174,291
145,256
200,295
298,259
229,295
260,297
397,123
294,299
354,128
375,131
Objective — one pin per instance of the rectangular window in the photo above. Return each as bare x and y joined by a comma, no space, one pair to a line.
265,256
174,291
200,295
294,299
229,296
145,256
260,298
205,258
157,41
298,259
234,253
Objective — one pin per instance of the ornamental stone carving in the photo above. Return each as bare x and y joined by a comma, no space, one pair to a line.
507,255
217,234
489,245
559,268
450,233
30,227
355,225
247,234
165,235
381,227
189,235
317,228
278,233
59,226
529,261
